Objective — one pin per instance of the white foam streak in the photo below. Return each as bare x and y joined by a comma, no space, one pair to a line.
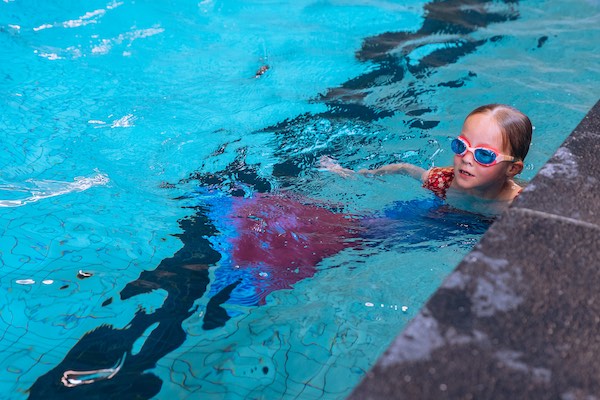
107,44
43,189
87,18
90,17
124,122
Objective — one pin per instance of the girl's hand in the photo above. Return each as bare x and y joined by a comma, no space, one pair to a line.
331,165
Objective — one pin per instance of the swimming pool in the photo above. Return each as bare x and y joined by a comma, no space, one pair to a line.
131,130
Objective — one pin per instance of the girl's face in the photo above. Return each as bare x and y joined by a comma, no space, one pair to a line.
481,130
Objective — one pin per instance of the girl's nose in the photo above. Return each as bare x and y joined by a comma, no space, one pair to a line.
468,158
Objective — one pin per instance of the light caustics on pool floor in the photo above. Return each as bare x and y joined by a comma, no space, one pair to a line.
142,279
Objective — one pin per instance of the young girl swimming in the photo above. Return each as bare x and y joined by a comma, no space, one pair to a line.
488,154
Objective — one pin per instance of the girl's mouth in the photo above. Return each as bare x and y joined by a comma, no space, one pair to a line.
463,172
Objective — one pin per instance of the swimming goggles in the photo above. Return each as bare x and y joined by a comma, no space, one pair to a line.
483,155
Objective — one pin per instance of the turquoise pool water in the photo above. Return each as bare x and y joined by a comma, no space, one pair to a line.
132,131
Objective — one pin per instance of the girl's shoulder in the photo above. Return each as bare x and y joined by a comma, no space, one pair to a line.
438,180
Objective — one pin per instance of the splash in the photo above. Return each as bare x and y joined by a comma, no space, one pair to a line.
35,190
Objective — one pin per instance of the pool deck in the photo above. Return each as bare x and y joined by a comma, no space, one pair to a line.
519,318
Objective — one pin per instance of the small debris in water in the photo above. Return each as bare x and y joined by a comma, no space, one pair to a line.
261,71
404,308
48,282
82,274
25,281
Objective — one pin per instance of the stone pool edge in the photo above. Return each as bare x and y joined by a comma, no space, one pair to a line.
519,317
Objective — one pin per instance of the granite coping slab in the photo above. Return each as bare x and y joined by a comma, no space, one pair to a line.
519,318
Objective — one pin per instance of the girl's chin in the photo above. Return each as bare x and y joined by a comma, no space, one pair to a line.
465,183
463,177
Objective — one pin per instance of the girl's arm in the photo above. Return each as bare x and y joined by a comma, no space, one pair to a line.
399,168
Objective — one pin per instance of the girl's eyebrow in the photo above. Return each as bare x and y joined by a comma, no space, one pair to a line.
480,144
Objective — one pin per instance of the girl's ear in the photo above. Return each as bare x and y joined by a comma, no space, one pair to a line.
514,169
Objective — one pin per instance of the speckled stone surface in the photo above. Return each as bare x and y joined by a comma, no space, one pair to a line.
519,318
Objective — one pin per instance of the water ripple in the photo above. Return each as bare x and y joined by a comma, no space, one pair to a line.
36,190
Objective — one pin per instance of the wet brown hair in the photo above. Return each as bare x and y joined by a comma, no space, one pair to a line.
515,127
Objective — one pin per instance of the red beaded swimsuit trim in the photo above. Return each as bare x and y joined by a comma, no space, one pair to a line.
439,180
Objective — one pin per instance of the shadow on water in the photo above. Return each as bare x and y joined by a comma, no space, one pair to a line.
105,357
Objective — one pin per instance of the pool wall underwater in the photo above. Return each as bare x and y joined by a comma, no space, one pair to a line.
520,316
